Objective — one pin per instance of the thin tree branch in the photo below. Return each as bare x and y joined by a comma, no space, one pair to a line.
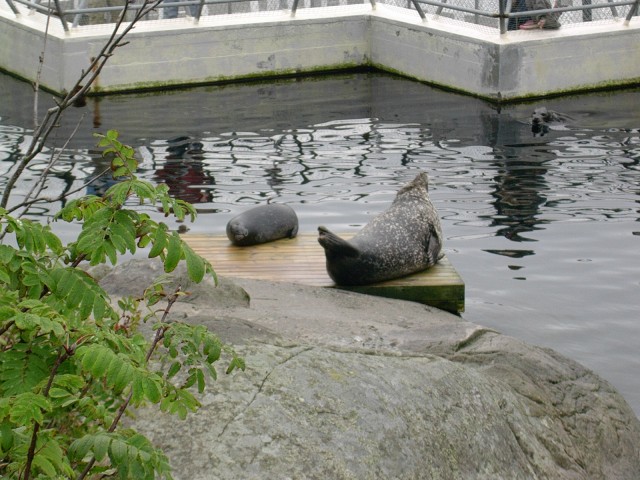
59,197
39,184
83,84
62,356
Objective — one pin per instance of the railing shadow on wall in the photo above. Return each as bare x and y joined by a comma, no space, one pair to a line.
495,15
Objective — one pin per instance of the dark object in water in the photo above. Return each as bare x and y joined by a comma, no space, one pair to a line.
183,145
542,119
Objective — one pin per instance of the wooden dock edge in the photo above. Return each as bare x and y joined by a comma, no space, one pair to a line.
301,260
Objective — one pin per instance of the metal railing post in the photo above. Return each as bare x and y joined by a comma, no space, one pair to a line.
196,19
419,9
61,15
13,8
587,14
633,10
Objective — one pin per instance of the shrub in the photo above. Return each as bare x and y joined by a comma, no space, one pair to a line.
71,360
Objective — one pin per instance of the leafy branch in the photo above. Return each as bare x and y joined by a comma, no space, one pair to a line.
71,363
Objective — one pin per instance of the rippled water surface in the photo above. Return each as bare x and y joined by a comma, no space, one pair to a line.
543,229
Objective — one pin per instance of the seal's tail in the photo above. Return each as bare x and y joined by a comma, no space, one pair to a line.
334,245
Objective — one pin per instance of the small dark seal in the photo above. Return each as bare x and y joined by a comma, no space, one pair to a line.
263,224
543,119
405,239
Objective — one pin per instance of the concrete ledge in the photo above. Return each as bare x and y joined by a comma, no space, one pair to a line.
450,54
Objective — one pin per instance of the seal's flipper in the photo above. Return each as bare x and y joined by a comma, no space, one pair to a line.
433,246
335,245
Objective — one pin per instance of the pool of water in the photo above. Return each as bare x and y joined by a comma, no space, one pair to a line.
544,229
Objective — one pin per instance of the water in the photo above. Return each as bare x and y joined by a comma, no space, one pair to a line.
543,229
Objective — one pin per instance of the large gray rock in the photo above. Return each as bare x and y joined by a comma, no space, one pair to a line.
344,386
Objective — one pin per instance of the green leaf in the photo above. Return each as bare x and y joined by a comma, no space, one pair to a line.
236,362
6,253
120,374
100,446
102,362
97,360
159,240
55,392
144,190
174,369
200,379
106,248
51,453
42,463
191,379
151,389
195,264
118,192
174,253
23,367
118,451
6,434
26,321
29,407
53,242
81,447
79,293
7,313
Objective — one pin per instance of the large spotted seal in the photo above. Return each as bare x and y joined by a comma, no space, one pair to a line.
404,239
263,224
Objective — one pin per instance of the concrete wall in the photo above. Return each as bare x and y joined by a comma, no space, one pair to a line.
209,53
453,55
517,64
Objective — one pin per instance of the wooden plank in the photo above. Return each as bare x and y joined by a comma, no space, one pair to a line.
301,260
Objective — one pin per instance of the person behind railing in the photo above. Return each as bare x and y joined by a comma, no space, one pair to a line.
515,22
172,11
545,20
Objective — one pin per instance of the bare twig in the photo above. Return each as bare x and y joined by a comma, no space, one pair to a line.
36,85
39,184
82,85
61,196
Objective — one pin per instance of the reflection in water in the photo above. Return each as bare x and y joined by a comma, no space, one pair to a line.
337,150
183,171
518,182
518,187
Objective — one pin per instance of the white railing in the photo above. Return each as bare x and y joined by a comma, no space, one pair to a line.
503,15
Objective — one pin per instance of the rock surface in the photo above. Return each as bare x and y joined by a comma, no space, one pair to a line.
345,386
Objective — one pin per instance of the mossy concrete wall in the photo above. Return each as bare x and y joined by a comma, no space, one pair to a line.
502,67
219,48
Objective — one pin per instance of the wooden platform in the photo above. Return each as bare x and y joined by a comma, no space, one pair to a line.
301,260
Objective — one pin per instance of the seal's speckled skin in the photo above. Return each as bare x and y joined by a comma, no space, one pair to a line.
263,224
405,239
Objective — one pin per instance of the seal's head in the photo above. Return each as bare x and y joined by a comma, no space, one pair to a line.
541,116
236,231
418,186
